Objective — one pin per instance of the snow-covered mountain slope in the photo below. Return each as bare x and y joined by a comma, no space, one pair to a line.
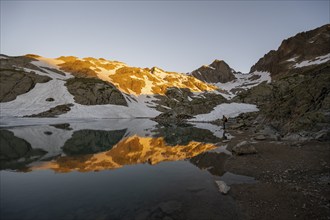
96,88
130,80
35,101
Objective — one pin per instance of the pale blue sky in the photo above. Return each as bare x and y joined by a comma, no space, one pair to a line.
173,35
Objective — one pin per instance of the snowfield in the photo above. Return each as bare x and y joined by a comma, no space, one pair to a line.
228,109
243,81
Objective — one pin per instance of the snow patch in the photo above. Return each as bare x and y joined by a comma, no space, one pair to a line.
316,61
147,89
135,109
242,81
227,109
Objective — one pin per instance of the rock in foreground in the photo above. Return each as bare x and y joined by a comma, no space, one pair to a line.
244,148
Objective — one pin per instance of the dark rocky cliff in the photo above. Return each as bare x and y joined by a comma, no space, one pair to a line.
303,46
218,71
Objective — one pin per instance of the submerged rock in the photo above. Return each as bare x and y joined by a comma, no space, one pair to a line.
223,187
244,148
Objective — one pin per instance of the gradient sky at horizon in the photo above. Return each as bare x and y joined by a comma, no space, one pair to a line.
173,35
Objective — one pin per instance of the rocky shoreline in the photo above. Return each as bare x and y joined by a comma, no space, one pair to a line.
292,176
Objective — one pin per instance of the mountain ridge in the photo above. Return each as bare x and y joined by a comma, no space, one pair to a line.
296,52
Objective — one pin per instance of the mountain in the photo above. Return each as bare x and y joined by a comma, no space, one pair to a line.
290,86
227,80
218,71
130,80
72,87
297,101
303,50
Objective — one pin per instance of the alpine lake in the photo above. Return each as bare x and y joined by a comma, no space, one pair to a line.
114,169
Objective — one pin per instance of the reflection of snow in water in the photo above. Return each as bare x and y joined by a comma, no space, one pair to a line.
51,138
222,149
216,130
43,136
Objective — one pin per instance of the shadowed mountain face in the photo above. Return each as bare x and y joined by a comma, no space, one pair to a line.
305,46
218,71
297,101
15,80
93,91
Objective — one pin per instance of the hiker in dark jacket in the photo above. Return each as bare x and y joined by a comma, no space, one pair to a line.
224,120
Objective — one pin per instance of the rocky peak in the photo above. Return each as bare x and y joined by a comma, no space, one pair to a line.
305,46
217,71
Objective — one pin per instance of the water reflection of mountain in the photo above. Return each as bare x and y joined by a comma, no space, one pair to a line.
184,133
92,141
131,150
16,152
102,147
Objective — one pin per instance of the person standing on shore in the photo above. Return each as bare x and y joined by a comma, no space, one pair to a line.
224,120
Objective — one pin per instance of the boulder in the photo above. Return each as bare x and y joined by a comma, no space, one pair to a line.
244,148
223,187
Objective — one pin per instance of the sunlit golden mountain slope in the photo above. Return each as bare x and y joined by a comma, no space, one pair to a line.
131,80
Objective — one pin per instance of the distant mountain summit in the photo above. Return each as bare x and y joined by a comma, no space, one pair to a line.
303,49
218,71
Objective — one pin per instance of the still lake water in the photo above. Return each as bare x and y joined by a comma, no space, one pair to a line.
113,169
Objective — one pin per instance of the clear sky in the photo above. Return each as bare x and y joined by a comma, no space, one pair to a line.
173,35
